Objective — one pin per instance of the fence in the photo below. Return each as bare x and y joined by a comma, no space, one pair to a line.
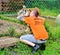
10,5
15,5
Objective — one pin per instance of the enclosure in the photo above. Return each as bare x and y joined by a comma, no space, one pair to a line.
11,27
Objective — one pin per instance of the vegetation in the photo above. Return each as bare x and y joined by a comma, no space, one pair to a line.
11,31
48,12
2,17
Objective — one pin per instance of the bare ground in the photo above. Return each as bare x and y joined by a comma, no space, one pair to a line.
4,25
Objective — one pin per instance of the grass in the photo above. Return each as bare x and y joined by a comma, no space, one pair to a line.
3,17
7,12
51,22
52,12
52,45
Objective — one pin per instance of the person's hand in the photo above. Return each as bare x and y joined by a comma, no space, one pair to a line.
27,14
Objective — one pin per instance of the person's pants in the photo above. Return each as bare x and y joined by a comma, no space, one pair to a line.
30,37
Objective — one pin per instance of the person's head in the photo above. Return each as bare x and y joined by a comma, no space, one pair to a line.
35,12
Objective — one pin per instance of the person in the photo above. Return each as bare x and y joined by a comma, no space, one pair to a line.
40,35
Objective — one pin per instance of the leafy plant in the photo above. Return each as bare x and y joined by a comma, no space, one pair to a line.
11,31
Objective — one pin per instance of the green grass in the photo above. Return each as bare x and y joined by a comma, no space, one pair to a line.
3,17
51,22
8,12
52,12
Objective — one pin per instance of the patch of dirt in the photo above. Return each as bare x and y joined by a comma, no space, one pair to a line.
4,25
8,41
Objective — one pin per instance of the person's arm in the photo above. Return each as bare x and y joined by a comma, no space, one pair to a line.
21,17
42,20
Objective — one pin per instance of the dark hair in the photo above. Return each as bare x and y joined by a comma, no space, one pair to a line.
36,13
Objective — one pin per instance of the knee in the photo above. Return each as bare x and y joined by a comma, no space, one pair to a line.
21,38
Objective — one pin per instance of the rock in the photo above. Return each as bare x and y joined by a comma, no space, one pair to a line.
58,19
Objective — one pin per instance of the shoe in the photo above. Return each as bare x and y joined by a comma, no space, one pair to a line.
42,46
35,48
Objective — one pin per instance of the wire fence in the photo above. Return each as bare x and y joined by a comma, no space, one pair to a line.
12,6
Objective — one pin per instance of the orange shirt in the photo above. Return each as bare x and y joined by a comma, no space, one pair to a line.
37,27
